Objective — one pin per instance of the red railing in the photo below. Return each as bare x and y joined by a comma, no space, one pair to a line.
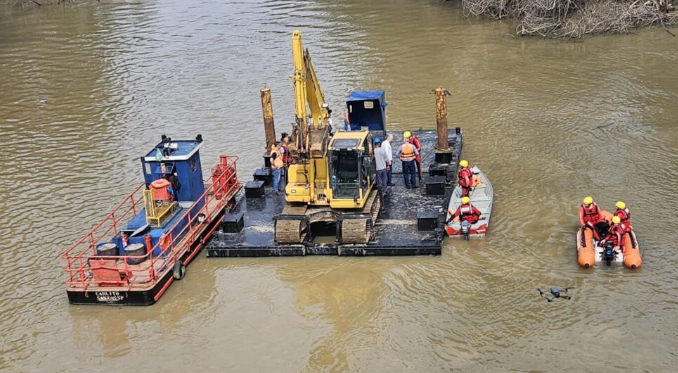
82,259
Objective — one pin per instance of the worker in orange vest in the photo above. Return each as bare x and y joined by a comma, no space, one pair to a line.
276,165
408,154
414,140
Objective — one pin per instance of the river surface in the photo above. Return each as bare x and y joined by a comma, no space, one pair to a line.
86,89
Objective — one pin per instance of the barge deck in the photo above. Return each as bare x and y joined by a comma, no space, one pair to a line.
410,222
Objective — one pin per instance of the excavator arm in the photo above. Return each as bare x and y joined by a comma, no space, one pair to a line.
311,130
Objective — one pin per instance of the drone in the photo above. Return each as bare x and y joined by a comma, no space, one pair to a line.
556,292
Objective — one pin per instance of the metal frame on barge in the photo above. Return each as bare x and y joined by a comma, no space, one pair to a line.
167,242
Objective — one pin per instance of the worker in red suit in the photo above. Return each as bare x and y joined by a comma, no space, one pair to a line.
624,214
616,235
465,212
465,178
591,217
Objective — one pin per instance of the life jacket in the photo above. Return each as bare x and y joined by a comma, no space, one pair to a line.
590,214
466,213
624,216
287,158
407,153
616,234
278,161
465,177
466,209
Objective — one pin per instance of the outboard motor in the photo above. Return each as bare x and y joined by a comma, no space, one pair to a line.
465,229
609,253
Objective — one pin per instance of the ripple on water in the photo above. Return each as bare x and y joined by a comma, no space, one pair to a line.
549,122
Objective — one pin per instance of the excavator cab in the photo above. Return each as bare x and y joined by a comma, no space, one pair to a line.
352,168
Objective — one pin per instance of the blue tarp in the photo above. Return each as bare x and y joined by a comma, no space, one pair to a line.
368,95
367,109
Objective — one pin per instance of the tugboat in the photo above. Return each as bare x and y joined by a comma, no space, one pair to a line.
145,243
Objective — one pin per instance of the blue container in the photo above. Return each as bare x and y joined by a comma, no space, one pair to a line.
107,249
156,234
135,249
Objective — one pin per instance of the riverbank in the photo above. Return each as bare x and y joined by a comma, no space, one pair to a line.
576,18
551,18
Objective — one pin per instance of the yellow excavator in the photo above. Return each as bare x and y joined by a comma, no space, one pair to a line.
331,181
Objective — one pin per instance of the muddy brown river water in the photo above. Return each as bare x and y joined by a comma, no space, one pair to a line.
86,88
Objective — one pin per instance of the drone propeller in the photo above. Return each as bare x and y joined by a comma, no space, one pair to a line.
566,297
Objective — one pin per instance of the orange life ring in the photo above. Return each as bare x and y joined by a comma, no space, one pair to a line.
160,183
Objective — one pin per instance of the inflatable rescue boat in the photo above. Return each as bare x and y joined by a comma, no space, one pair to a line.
481,198
590,252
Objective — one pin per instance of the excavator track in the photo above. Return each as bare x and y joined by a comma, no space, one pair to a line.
290,231
291,226
375,207
356,231
359,230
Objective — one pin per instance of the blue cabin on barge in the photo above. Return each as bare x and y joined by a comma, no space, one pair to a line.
366,110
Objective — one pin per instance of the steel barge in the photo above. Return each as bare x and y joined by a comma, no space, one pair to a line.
407,222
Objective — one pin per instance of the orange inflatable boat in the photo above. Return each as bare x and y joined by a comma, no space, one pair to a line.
589,252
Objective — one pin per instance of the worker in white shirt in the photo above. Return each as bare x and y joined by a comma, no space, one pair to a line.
386,144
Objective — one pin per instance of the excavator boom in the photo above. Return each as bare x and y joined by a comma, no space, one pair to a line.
311,132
